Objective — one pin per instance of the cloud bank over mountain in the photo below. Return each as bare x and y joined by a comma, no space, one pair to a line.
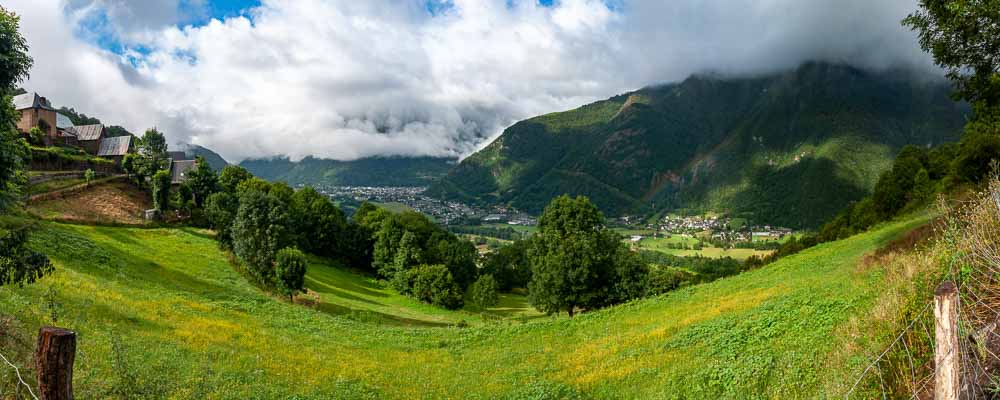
349,79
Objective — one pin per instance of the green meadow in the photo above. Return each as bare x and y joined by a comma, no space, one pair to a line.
663,245
161,313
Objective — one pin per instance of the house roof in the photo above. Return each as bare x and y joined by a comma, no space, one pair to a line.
63,122
89,132
114,146
176,155
180,169
31,100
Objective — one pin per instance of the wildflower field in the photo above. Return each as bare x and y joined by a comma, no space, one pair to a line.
161,313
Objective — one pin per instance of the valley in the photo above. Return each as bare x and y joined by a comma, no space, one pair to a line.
511,200
153,323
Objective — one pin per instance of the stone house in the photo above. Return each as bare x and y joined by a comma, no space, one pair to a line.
36,111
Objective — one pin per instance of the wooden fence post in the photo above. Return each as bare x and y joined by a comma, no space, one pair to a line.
54,358
946,351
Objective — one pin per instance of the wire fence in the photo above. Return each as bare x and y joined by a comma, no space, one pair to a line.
20,380
905,368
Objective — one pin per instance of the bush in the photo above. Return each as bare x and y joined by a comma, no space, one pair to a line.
220,210
434,284
161,190
483,292
290,270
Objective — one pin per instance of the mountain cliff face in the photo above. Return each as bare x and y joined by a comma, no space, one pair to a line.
790,148
375,171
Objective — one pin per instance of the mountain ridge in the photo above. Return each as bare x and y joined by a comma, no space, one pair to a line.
370,171
788,148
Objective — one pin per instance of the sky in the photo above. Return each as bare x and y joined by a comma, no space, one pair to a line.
346,79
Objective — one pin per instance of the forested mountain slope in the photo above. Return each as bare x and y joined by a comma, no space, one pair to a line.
374,171
790,148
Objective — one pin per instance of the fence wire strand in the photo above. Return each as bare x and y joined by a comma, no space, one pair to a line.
17,373
972,233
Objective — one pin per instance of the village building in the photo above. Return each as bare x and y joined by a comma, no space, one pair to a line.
90,136
66,131
36,111
179,171
115,148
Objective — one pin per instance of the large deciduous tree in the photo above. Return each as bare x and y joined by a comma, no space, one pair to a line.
259,231
577,262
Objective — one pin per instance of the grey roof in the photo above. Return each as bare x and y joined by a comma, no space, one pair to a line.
31,100
114,146
180,169
89,132
176,155
63,122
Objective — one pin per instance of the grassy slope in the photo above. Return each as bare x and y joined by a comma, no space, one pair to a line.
187,326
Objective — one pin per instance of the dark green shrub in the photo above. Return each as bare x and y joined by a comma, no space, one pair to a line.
434,284
290,270
484,292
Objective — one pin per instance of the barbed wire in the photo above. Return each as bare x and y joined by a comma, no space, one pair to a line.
17,372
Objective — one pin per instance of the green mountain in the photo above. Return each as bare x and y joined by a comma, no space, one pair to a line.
374,171
214,159
789,148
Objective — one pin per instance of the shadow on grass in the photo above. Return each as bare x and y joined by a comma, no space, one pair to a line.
320,286
202,233
376,317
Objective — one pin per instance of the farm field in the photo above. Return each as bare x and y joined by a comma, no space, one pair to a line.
110,202
663,245
161,314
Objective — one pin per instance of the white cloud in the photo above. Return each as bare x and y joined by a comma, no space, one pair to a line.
348,79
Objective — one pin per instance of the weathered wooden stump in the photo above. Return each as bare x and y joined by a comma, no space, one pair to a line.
54,358
946,351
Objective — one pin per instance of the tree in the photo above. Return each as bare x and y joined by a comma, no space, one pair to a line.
152,155
161,190
221,209
576,261
509,265
203,181
290,269
18,264
184,196
484,292
459,256
408,254
320,227
153,144
964,38
387,239
14,59
231,176
259,231
433,284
